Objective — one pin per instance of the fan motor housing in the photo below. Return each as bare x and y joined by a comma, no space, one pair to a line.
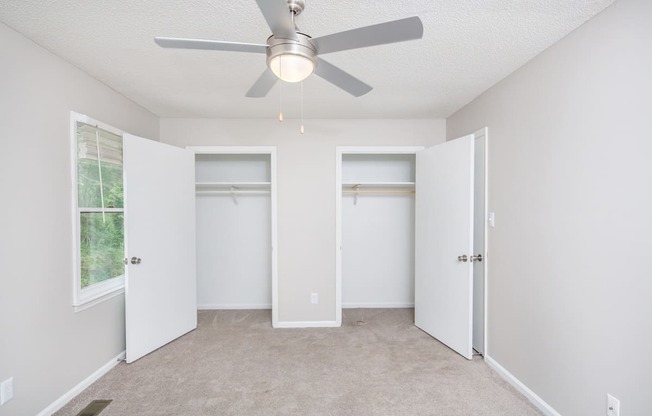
303,47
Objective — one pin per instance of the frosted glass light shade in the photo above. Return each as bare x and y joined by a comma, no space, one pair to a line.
291,68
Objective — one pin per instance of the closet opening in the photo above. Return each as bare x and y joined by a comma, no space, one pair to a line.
236,227
375,217
378,230
399,249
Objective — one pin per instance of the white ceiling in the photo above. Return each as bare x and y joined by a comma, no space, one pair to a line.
468,46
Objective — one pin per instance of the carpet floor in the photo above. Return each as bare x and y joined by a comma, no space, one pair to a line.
235,363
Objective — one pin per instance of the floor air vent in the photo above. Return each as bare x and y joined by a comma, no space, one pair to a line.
94,408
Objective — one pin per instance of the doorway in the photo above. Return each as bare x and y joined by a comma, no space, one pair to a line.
236,227
390,191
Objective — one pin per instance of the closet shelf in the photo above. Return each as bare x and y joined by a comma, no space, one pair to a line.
377,188
378,183
228,186
351,186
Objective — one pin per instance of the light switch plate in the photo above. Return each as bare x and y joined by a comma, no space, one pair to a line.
613,406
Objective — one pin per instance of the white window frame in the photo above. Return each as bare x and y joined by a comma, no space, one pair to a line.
98,292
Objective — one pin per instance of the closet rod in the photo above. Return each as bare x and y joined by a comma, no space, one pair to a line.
226,192
380,191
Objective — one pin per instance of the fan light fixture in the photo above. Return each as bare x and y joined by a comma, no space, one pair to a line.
291,68
289,60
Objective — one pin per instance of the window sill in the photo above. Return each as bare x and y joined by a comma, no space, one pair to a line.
99,293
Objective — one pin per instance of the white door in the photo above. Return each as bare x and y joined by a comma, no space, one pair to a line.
444,243
160,286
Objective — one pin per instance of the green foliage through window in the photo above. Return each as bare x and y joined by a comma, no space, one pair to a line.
101,247
100,201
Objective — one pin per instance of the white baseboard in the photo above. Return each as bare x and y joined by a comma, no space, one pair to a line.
63,400
518,385
228,306
306,324
390,305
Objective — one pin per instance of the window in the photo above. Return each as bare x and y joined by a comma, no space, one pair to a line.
98,220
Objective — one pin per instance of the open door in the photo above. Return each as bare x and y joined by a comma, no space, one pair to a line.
160,285
444,243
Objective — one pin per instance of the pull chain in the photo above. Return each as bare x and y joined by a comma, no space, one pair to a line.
280,89
301,129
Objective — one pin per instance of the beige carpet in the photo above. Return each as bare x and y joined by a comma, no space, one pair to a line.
236,364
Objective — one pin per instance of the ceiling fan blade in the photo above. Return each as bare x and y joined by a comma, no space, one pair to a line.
277,15
380,34
215,45
341,79
263,84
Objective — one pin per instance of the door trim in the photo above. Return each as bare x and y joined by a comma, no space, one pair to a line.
261,150
339,152
484,134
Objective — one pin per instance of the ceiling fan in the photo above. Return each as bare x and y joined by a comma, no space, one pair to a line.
293,55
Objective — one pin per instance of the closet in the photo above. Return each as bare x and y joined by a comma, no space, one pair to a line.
377,227
410,231
236,227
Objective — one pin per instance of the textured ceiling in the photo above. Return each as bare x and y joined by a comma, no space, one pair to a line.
468,46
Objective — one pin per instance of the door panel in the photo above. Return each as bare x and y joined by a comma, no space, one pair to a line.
160,291
444,231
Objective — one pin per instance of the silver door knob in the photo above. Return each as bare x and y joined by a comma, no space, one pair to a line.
135,260
476,258
463,258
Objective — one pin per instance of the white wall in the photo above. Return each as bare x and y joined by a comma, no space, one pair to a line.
44,345
234,252
378,251
306,190
570,180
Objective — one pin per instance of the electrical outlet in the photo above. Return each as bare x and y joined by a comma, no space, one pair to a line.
613,406
6,390
314,298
